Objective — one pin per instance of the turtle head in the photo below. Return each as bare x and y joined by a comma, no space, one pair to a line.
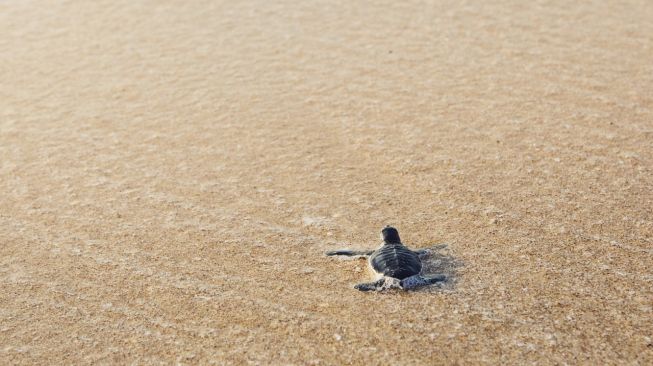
390,235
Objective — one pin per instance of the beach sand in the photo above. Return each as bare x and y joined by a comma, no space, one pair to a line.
172,172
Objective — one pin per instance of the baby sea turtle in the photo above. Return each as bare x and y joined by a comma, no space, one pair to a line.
395,265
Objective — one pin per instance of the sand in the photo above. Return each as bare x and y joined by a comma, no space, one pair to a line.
173,171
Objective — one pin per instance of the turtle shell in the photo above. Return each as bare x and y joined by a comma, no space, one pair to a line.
395,260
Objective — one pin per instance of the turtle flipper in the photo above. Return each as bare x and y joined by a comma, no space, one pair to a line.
371,286
349,253
423,252
416,281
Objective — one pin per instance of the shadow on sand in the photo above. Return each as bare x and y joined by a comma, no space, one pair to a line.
438,260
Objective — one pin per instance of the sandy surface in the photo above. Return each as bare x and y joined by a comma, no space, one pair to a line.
172,172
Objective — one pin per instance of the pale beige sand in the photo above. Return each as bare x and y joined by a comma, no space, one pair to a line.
171,173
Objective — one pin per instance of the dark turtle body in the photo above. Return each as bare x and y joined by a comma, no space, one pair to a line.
396,261
395,264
